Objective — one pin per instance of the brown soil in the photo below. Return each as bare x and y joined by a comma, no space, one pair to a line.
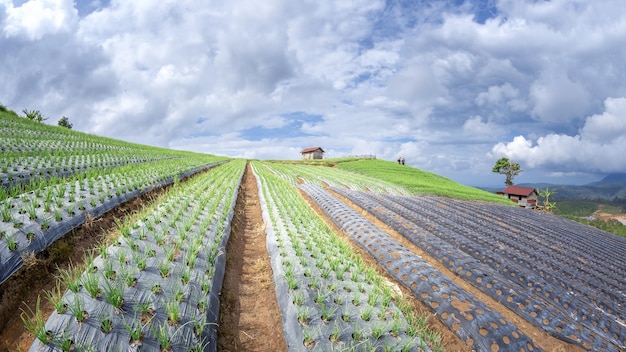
21,290
540,337
250,319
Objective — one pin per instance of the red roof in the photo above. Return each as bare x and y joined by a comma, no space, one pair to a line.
518,190
309,150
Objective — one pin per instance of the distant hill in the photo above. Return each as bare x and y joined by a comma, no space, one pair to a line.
610,187
418,181
615,179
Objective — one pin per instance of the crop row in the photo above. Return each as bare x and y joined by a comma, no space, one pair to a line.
526,260
329,298
22,136
482,328
33,151
32,221
19,171
319,175
157,286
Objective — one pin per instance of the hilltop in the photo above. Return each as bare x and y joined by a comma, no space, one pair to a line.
416,181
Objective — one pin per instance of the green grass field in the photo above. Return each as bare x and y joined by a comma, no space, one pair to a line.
418,181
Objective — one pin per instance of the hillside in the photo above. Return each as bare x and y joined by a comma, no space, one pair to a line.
418,181
298,232
612,186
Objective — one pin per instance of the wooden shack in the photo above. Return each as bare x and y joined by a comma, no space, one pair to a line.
312,153
525,197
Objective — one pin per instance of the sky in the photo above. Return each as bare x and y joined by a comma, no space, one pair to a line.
450,85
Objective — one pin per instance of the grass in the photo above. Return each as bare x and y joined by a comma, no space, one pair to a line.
418,181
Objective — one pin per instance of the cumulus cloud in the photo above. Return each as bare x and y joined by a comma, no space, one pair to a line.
37,18
437,81
475,128
557,98
608,126
600,146
505,94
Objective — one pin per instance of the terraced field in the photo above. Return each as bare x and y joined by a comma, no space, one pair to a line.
357,262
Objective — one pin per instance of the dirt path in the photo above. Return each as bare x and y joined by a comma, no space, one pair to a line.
250,319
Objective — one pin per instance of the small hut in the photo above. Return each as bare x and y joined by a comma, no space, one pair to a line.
524,196
312,153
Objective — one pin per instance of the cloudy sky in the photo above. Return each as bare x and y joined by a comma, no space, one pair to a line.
450,85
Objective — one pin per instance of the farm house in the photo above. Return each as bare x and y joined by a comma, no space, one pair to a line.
525,197
312,153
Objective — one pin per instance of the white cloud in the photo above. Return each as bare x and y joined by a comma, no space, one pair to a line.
421,78
609,125
474,128
37,18
557,98
502,94
599,147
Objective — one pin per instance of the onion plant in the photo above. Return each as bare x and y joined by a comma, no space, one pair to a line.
135,250
35,324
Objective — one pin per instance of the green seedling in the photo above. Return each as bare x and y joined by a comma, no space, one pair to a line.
172,309
91,283
335,335
303,315
77,308
11,241
113,293
366,313
378,331
35,324
106,325
70,277
134,329
327,313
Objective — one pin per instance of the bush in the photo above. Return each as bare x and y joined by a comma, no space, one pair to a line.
65,122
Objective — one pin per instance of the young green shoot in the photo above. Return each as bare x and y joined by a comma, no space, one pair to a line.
114,293
77,308
91,283
35,324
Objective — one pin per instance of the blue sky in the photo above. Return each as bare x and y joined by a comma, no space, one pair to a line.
450,85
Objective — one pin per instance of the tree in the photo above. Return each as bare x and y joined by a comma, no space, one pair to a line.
505,167
547,205
65,122
34,115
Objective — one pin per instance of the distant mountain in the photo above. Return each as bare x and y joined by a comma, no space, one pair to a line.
610,187
614,179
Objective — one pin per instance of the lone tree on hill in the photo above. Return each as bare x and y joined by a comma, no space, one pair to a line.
65,122
505,167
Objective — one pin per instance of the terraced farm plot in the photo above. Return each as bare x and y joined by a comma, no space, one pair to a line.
550,271
350,257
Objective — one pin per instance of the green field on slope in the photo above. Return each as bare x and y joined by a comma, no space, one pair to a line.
418,181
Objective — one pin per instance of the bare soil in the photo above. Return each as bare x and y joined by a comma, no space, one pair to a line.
21,291
602,215
250,319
